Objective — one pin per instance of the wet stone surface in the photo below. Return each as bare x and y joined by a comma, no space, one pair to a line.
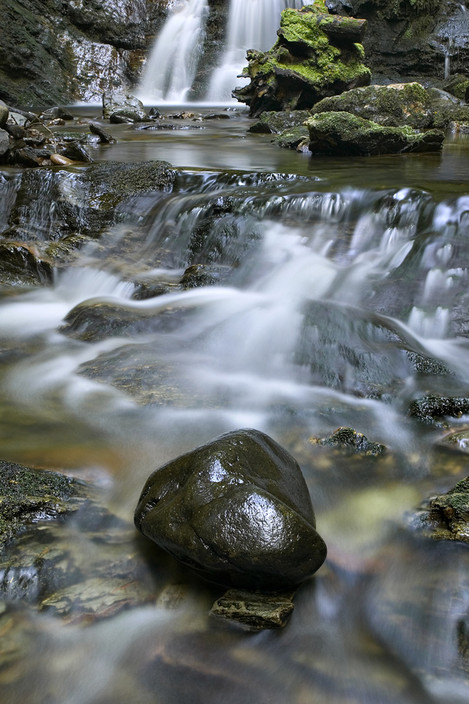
237,511
46,520
253,610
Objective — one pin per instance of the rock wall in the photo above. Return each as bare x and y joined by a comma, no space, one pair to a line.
59,51
412,38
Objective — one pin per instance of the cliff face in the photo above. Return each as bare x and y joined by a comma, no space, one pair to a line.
412,38
70,50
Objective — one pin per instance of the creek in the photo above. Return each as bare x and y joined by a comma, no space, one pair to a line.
335,276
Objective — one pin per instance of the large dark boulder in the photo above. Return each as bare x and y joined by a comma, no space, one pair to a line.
237,511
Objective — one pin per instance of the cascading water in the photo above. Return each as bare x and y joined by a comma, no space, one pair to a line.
326,305
172,65
173,61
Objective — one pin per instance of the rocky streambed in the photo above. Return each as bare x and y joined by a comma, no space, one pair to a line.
148,309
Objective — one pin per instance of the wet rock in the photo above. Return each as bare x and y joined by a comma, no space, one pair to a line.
49,196
55,113
446,109
203,275
28,496
445,516
345,134
97,320
273,122
392,105
104,137
4,142
450,513
352,441
237,511
120,107
316,55
4,112
456,441
352,351
21,264
42,560
253,610
293,138
63,52
458,85
434,409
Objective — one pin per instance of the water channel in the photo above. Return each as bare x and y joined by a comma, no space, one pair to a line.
335,276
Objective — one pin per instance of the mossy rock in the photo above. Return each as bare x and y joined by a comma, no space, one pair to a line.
393,105
275,122
351,441
306,63
458,85
340,133
447,516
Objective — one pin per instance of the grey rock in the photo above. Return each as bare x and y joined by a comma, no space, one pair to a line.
3,113
237,511
4,142
121,107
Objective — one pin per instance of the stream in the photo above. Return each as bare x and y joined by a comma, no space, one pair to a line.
338,294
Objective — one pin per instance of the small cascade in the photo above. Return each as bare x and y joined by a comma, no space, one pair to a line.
172,65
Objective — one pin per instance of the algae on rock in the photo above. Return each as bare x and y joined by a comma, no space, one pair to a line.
316,55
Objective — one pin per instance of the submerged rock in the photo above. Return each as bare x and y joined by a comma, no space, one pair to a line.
352,441
237,511
316,55
446,517
254,611
28,496
345,134
434,409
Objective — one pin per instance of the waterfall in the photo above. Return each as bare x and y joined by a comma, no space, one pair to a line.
172,65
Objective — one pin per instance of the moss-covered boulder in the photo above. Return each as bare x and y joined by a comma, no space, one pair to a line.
273,122
400,104
237,511
393,105
316,55
341,133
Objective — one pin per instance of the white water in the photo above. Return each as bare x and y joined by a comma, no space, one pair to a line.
172,64
173,61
